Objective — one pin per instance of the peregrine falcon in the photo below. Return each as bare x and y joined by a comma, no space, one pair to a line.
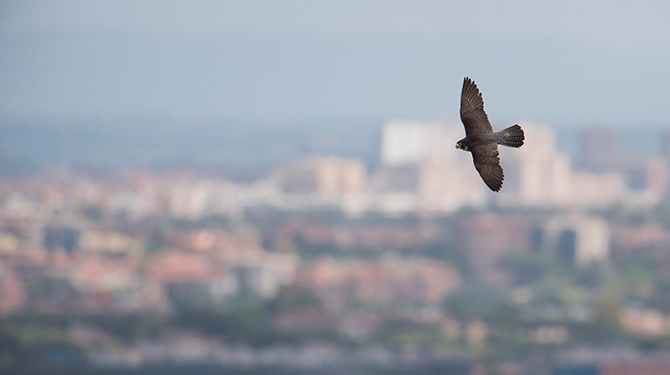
481,140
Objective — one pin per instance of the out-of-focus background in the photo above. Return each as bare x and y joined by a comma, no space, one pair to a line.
263,187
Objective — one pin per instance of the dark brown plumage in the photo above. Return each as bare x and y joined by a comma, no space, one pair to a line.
480,139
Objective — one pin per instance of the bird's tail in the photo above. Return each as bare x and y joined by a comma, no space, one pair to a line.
510,137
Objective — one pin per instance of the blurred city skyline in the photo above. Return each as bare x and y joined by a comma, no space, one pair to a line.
325,265
567,64
272,187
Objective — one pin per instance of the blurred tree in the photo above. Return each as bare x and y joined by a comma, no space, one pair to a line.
286,245
607,309
526,269
663,213
246,321
471,301
93,213
157,238
294,298
127,328
546,294
605,326
10,346
589,276
401,332
637,276
31,345
309,250
660,297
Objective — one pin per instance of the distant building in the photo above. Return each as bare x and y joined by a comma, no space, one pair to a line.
610,361
447,184
264,278
226,268
600,149
397,179
327,177
657,177
190,200
435,186
644,322
646,181
388,280
596,189
577,239
635,177
411,142
9,243
650,367
485,239
12,292
61,238
536,174
422,172
646,240
191,278
96,241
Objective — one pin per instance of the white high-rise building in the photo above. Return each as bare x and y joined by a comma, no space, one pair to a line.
577,239
412,142
423,172
536,174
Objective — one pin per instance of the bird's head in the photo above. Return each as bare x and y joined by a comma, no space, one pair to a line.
461,146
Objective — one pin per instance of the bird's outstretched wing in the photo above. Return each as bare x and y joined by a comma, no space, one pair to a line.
487,161
473,116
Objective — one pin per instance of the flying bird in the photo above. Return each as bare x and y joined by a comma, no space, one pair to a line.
481,140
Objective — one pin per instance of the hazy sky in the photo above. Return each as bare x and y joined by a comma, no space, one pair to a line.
558,62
